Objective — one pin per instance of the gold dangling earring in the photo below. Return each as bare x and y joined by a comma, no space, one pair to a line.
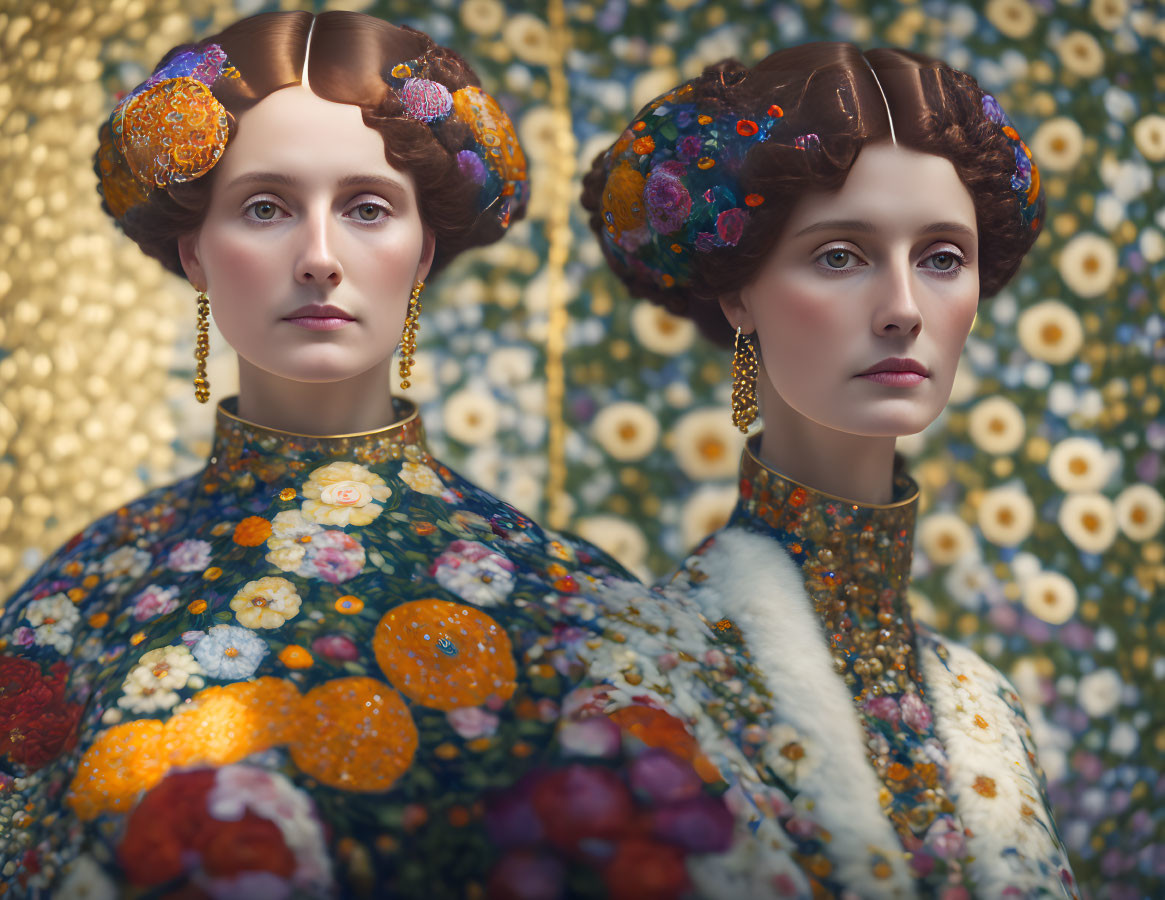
408,337
202,349
744,372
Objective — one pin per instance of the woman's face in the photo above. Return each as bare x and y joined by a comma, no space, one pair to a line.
312,241
862,308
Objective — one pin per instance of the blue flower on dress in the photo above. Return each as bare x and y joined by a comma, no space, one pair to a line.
229,651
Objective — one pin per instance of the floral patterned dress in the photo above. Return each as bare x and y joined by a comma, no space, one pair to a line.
331,667
895,763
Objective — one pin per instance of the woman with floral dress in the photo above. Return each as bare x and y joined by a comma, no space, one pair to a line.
838,216
326,665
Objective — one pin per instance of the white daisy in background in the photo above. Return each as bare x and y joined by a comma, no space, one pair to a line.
1088,264
529,38
1109,14
945,538
1058,144
538,130
1078,465
627,431
423,386
1098,693
1050,331
1152,245
996,425
1140,511
482,16
1149,136
471,416
618,537
509,366
1081,54
1006,515
1089,521
649,85
1050,596
705,511
1014,18
707,445
659,331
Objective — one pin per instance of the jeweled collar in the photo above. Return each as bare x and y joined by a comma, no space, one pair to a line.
856,560
245,453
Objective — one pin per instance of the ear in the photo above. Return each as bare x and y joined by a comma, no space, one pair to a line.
428,251
736,311
191,264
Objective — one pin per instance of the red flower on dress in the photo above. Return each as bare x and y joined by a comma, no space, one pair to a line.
36,723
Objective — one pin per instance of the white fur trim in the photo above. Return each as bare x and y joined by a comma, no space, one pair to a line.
754,582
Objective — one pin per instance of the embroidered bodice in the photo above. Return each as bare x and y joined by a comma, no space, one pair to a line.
329,667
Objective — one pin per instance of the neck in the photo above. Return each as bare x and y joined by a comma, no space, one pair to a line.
357,404
854,466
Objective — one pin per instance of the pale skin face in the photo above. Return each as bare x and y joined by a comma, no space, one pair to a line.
309,250
884,269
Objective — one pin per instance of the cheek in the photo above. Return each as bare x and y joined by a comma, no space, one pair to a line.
798,325
235,264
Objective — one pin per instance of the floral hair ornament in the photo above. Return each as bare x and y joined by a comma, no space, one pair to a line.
486,149
167,130
1025,183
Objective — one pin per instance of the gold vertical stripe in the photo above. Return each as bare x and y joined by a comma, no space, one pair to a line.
558,234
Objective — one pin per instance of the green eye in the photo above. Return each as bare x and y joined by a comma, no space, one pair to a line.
369,212
836,259
264,211
943,261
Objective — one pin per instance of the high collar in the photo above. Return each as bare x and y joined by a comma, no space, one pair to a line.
856,561
246,454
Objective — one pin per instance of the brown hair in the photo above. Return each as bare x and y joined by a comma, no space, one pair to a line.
350,55
830,90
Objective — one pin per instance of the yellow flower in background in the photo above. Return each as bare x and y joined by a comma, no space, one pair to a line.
1149,136
1078,465
1140,511
471,416
1109,14
1088,264
707,510
1089,521
1050,331
529,38
707,445
659,331
1081,54
618,537
945,538
1050,596
1006,515
1058,144
1014,18
627,431
266,603
996,425
343,493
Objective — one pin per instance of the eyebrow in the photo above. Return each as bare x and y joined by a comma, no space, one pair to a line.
281,178
865,226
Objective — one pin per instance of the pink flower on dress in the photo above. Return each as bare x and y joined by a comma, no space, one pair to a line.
24,637
155,601
336,646
472,722
915,713
885,708
597,736
189,556
333,556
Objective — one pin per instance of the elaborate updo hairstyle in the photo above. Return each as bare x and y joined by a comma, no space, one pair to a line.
691,199
424,100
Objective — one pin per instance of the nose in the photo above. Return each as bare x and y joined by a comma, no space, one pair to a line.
897,311
318,262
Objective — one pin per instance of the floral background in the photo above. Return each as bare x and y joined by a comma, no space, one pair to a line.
1040,537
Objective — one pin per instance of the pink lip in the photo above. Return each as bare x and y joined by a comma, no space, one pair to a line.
319,318
896,372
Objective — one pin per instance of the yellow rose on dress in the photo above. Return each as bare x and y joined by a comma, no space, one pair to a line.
266,603
343,493
422,479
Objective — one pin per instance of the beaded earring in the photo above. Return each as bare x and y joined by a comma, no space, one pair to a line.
744,372
202,349
408,338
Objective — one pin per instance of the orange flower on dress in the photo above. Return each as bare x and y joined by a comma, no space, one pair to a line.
659,728
622,200
226,723
252,531
445,655
123,761
356,735
295,657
